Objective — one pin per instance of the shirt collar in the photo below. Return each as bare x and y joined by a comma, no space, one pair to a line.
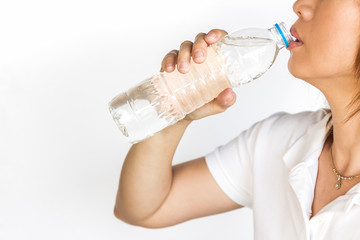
354,193
311,141
301,160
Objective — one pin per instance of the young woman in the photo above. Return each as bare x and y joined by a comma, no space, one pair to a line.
299,173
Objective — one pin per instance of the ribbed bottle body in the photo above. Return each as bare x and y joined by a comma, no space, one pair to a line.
166,98
187,92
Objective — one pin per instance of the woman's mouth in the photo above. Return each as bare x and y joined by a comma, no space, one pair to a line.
298,42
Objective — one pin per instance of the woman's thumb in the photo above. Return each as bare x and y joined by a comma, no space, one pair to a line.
224,100
218,105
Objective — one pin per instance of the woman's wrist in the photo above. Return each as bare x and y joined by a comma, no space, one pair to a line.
178,128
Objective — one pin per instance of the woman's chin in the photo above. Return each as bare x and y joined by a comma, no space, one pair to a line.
293,71
296,70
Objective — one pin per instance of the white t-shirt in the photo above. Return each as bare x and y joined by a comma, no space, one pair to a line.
272,169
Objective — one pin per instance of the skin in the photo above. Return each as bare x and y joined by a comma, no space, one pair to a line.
166,195
153,193
196,50
330,32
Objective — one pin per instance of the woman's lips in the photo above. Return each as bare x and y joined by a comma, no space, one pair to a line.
298,41
294,44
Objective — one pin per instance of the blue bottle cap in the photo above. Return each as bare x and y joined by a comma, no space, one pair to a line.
282,35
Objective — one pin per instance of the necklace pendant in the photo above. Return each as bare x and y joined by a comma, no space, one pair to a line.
338,184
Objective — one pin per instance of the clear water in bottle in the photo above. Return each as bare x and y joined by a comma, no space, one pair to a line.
166,98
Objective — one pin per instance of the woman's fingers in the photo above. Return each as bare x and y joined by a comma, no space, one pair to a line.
183,60
199,48
197,51
214,35
169,61
202,41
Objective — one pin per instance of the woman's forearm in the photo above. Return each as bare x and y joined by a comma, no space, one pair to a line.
146,174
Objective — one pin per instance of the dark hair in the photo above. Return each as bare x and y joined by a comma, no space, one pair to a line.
329,122
355,101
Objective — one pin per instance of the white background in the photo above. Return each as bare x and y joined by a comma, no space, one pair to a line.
61,62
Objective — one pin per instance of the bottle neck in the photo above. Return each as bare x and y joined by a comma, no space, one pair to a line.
281,35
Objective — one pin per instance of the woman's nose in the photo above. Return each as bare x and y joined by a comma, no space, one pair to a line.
304,9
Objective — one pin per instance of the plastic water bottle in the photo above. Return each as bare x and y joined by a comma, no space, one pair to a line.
166,98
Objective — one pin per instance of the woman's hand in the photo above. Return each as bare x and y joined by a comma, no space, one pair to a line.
180,59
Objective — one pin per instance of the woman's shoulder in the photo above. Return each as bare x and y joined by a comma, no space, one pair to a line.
300,118
291,124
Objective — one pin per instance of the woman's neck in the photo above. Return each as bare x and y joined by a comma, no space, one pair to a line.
346,134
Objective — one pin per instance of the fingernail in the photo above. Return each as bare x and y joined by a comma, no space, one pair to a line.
211,35
184,65
229,100
168,67
199,55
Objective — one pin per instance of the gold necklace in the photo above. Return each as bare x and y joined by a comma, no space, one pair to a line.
340,177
